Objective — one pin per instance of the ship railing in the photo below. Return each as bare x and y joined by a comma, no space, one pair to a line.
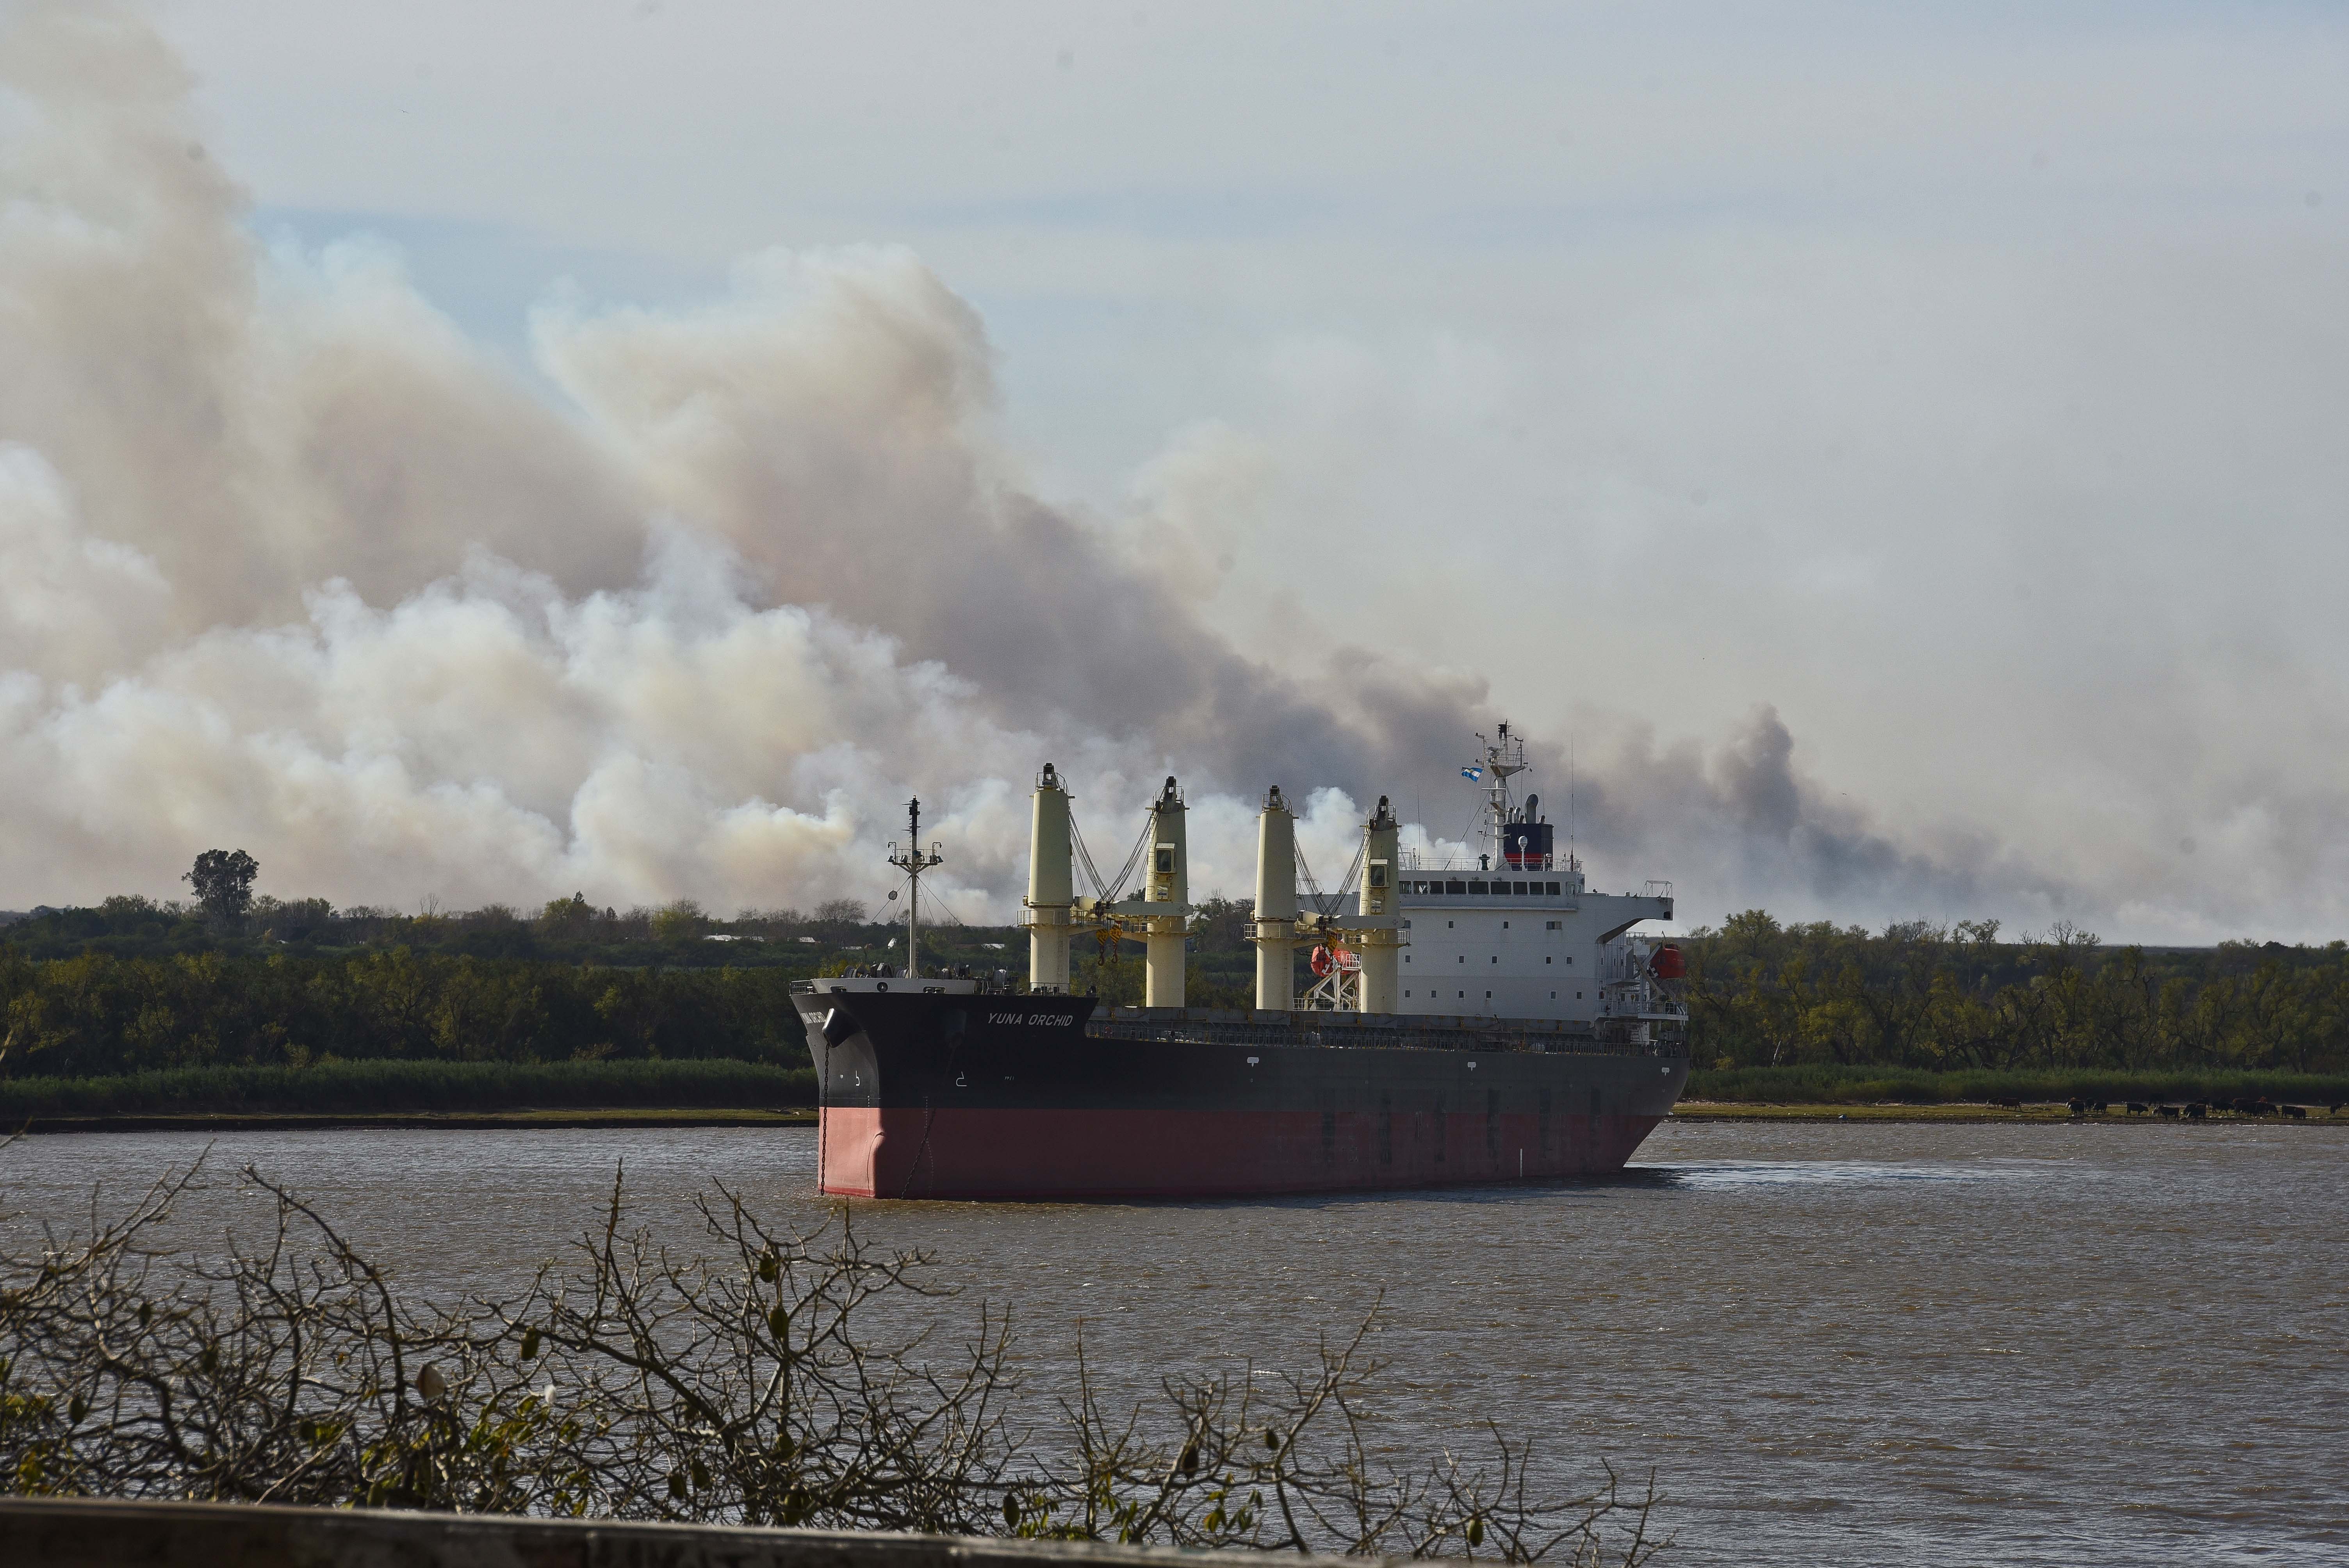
1355,1030
1651,1011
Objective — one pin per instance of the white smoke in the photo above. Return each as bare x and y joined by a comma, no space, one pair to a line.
287,563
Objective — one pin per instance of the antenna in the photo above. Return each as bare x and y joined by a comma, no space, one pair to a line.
1572,864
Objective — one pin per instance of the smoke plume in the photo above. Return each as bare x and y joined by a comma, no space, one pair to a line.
287,563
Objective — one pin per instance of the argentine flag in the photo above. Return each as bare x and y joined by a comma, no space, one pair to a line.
1475,773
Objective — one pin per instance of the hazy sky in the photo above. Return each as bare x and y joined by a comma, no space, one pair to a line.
1901,448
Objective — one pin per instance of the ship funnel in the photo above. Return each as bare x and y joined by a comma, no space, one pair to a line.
1275,905
1169,883
1051,885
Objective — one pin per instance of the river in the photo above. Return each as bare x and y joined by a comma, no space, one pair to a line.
1835,1343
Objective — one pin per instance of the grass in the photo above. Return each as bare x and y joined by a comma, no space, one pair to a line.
1824,1085
381,1088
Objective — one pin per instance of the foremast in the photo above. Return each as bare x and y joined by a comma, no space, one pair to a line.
913,862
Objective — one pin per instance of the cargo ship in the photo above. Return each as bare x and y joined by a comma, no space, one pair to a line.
1478,1018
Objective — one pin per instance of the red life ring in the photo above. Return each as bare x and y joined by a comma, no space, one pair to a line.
1322,963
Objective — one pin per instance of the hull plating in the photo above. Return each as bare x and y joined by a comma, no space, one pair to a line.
941,1096
949,1153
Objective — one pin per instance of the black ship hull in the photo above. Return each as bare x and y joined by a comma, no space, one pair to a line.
930,1095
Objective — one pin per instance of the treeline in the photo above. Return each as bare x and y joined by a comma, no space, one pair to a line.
98,1016
567,930
135,987
1953,998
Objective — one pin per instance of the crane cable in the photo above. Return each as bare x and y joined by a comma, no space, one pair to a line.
1327,904
1109,893
1085,858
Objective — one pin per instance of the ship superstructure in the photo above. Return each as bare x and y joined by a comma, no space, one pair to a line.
1383,1065
1510,929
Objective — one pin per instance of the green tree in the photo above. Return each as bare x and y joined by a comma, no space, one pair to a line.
680,922
223,883
571,917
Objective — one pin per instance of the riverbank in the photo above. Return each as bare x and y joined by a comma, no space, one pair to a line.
453,1121
1845,1087
609,1117
2049,1111
706,1092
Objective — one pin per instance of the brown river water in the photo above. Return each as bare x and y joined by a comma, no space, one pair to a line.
1835,1343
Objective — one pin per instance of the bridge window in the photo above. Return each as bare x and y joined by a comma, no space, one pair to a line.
1476,887
1456,887
1520,887
1553,890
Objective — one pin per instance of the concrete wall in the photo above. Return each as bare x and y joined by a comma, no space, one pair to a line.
73,1533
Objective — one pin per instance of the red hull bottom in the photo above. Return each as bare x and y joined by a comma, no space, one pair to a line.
1002,1154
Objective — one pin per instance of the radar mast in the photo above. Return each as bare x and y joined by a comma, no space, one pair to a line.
1505,754
913,862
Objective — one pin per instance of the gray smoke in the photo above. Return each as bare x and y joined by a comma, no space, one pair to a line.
286,563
